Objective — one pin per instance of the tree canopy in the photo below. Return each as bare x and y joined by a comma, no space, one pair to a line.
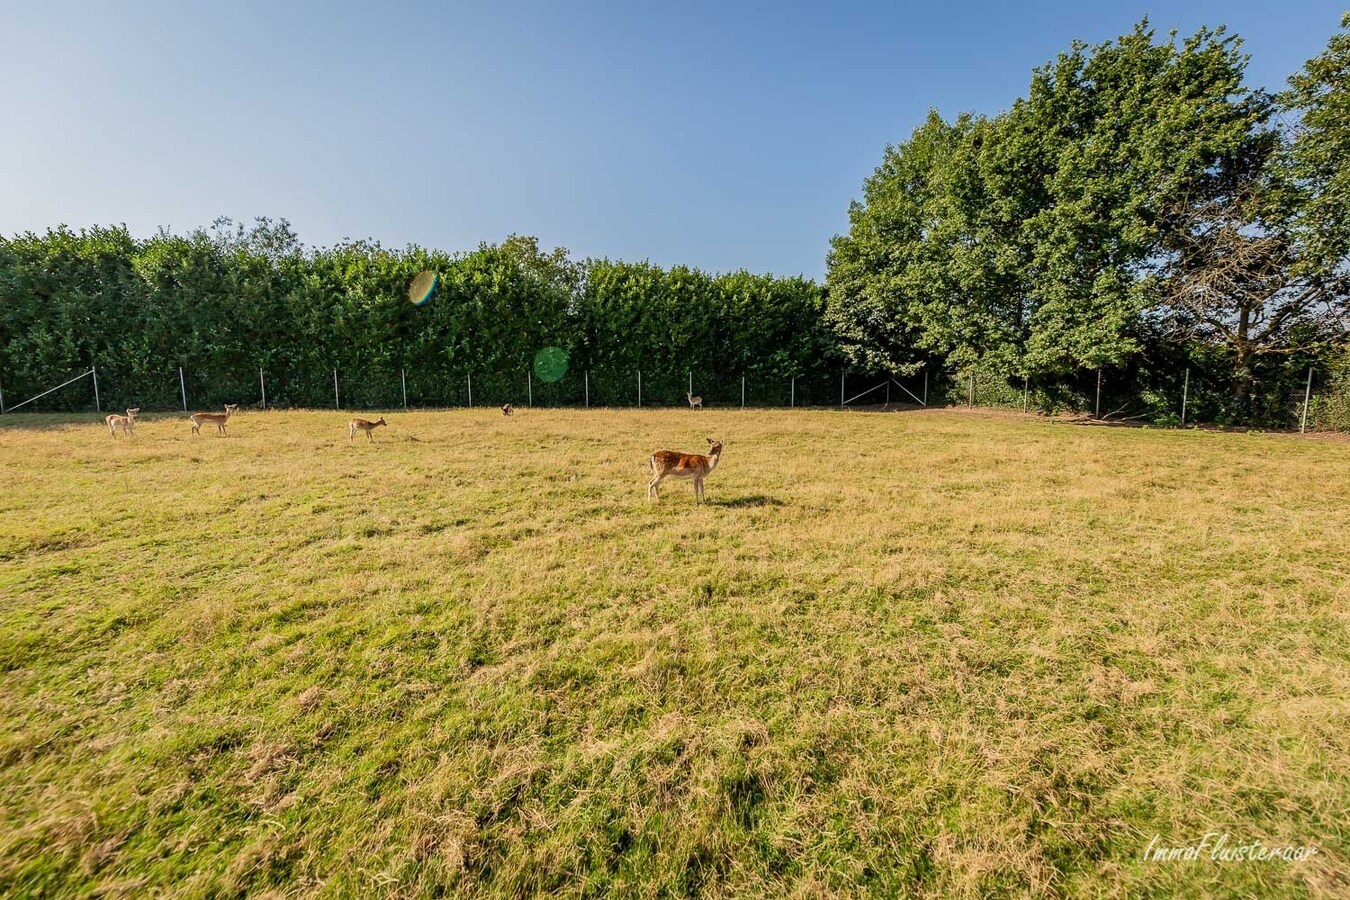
1140,192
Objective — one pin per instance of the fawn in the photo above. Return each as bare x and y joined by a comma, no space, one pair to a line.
668,463
127,423
365,425
695,402
218,419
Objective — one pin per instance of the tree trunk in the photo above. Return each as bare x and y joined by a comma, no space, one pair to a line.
1243,376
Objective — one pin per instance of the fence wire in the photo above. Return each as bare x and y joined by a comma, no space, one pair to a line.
1187,396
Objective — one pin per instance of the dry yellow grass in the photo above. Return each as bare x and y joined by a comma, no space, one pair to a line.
935,653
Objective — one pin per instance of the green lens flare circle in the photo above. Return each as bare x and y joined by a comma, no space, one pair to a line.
423,288
550,364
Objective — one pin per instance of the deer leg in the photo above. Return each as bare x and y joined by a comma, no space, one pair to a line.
370,436
654,487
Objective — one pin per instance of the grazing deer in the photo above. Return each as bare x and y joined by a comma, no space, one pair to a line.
668,463
507,410
217,419
695,402
365,425
127,423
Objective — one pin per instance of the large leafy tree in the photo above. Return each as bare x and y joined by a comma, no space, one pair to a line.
1238,273
1031,242
875,306
1318,99
1256,250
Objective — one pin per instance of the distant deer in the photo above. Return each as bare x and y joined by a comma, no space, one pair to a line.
217,419
365,425
695,402
668,463
127,423
508,409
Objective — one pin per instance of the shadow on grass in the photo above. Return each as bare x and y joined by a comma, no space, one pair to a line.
747,501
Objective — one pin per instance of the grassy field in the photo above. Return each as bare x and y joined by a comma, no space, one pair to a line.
937,653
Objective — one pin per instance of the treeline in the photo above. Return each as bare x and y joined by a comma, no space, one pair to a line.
1141,211
227,302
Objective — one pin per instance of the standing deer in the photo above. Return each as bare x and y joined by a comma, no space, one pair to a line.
127,423
508,409
365,425
668,463
217,419
695,402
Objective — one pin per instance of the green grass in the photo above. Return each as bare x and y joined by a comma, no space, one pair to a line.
938,653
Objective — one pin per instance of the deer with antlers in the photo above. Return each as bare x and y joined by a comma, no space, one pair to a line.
669,464
217,419
127,423
365,425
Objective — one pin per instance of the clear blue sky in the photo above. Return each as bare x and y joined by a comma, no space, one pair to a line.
722,135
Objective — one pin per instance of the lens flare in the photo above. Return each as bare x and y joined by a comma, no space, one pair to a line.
423,288
550,364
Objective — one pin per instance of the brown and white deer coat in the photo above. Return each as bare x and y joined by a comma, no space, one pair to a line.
127,423
365,425
669,464
216,419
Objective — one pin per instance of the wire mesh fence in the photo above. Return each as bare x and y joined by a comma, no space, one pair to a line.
1189,396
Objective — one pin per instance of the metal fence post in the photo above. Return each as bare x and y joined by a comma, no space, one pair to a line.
691,383
262,383
1185,391
337,401
841,390
639,387
742,392
1097,412
586,380
97,404
1307,395
972,388
469,378
403,376
1025,383
529,389
793,396
925,386
182,387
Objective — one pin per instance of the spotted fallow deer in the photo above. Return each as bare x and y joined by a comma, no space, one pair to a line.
217,419
365,425
669,464
127,423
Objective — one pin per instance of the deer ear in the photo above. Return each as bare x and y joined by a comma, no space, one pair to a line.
710,440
